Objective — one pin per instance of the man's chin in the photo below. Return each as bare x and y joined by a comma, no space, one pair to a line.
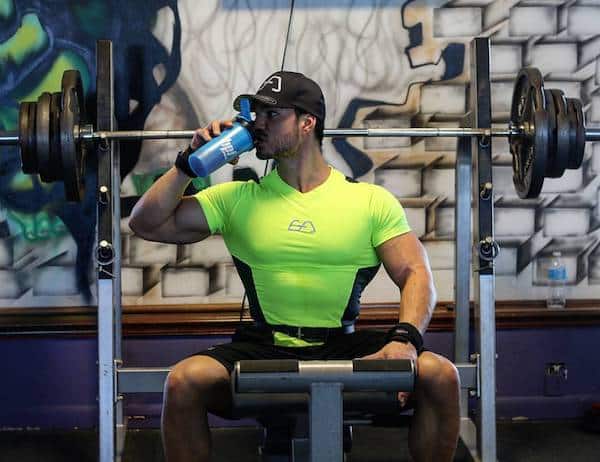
263,155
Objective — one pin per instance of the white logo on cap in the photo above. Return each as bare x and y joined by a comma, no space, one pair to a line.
275,82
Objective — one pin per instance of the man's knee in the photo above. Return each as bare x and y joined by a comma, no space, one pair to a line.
196,379
437,374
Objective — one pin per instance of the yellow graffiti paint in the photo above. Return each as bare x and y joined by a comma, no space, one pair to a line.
21,182
29,38
51,81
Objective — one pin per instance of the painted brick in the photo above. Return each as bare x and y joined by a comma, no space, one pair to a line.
233,283
571,181
594,268
512,221
136,281
439,182
443,280
380,289
501,96
441,254
441,143
555,57
416,220
208,252
506,261
532,20
400,182
503,183
143,253
457,22
54,280
594,114
506,59
6,251
590,50
66,248
445,99
184,282
12,283
560,222
595,163
444,222
583,20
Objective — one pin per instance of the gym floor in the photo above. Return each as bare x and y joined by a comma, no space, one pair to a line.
542,441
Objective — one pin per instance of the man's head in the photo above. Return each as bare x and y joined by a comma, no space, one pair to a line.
290,111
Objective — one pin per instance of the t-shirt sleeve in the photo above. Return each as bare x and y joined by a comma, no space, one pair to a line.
217,202
387,215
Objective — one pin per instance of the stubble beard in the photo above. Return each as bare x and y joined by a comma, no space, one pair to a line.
283,147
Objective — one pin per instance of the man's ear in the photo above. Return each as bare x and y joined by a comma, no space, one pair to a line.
309,122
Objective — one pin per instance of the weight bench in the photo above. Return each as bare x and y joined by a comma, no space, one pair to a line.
303,405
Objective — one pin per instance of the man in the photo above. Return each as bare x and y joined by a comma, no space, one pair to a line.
305,241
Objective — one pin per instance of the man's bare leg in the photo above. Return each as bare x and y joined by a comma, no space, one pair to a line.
435,427
193,387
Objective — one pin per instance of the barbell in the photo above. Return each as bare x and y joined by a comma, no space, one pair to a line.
546,133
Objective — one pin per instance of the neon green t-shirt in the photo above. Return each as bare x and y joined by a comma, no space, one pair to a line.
304,258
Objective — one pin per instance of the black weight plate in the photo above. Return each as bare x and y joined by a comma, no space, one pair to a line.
28,157
55,152
551,111
42,130
563,139
31,134
529,147
72,155
578,127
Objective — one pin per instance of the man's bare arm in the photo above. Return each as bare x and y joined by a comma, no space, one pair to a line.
407,264
163,214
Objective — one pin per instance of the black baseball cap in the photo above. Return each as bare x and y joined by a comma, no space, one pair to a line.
290,90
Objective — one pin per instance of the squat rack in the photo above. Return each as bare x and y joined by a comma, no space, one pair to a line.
477,371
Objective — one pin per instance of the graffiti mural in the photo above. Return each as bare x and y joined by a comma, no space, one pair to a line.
380,63
46,243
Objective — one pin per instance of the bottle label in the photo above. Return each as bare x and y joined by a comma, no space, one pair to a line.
226,148
557,274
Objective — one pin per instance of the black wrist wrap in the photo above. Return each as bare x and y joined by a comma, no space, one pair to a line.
406,333
183,164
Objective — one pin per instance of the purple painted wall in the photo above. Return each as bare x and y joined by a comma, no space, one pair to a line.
51,382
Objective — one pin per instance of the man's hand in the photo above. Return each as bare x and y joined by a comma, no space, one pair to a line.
212,130
396,350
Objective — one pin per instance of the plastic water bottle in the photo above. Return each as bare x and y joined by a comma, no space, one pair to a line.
225,147
557,278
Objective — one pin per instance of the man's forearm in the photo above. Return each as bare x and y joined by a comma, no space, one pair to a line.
418,299
160,201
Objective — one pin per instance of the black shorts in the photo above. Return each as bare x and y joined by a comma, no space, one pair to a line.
250,342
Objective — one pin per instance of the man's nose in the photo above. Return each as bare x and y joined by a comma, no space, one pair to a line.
260,122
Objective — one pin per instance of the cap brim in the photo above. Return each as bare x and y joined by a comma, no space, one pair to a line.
264,100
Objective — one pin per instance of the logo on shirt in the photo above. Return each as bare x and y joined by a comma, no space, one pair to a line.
302,226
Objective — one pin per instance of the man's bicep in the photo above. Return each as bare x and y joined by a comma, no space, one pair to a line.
187,224
190,220
401,255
